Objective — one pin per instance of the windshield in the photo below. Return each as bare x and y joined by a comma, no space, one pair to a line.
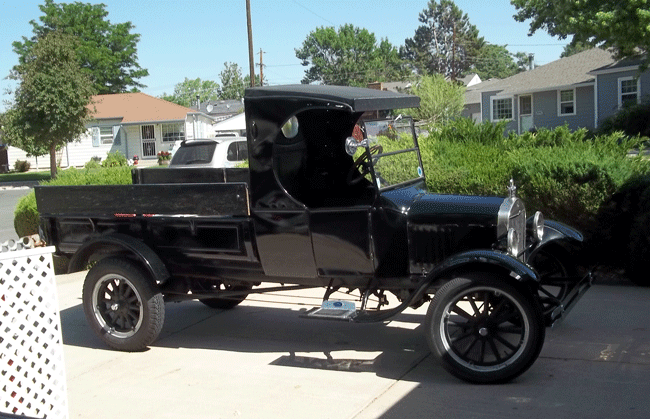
194,153
395,155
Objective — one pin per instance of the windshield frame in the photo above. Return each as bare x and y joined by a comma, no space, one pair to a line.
375,158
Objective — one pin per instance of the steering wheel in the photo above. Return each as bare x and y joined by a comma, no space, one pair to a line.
362,162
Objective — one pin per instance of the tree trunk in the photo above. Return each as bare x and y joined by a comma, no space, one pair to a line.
53,161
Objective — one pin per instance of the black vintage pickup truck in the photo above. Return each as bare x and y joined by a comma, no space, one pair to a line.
334,197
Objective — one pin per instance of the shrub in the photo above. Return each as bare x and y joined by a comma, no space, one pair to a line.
26,216
634,120
115,159
636,267
21,166
92,164
566,174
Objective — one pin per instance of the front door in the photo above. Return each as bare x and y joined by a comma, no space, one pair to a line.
148,141
525,113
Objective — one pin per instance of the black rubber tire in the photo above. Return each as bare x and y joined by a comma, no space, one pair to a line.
123,305
510,333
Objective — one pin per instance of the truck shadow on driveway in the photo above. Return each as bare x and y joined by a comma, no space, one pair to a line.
608,329
388,349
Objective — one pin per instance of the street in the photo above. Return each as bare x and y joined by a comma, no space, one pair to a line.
9,197
261,360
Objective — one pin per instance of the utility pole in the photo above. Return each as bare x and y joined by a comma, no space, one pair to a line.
251,59
261,64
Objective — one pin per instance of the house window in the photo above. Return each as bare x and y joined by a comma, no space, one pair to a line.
106,135
567,102
628,91
173,132
501,109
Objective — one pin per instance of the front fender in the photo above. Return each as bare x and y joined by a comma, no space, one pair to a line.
111,244
475,259
558,234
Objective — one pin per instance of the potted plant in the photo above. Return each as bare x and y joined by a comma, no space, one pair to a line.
164,157
135,159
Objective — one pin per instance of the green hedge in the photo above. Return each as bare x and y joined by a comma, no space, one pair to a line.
566,174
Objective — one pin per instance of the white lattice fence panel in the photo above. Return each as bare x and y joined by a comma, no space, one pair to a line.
32,371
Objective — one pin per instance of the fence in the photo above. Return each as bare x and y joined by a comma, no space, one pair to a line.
32,370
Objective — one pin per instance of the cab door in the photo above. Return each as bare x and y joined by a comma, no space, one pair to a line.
342,242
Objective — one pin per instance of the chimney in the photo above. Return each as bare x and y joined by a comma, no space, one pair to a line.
531,61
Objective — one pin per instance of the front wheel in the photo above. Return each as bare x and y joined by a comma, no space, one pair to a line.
484,330
123,304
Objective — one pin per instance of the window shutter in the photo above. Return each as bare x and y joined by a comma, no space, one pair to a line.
116,135
96,140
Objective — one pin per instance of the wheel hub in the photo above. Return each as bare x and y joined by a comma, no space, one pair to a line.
483,331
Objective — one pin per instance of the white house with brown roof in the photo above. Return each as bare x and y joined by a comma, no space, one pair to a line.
135,124
580,90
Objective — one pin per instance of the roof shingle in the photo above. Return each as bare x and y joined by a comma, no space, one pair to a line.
136,107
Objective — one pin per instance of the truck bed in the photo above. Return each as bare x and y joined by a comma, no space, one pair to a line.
200,192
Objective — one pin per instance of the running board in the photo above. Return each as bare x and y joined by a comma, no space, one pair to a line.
333,310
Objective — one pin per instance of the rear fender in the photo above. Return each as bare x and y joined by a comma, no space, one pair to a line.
112,244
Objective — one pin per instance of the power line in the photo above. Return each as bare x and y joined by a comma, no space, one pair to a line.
314,13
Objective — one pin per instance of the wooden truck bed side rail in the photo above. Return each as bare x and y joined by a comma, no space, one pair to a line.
207,199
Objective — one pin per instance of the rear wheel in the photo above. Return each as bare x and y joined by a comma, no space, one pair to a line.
484,330
123,304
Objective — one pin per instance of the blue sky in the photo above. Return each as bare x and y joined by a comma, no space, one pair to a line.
194,38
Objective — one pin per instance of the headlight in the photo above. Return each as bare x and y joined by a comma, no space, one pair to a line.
513,242
538,226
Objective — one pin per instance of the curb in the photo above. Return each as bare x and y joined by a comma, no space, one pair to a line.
28,184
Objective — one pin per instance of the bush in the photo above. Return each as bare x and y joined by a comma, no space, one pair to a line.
620,237
634,120
567,175
115,159
26,213
92,164
21,166
26,216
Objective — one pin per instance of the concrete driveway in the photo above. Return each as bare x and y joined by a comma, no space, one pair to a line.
260,360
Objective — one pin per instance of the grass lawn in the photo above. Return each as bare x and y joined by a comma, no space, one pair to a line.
26,176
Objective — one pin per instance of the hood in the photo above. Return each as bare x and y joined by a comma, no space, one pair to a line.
423,207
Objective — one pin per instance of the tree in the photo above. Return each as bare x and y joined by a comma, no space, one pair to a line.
525,62
50,107
574,48
232,82
107,51
349,56
623,26
440,100
495,61
185,92
446,43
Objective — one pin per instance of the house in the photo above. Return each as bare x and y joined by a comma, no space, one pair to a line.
131,123
225,110
580,91
235,125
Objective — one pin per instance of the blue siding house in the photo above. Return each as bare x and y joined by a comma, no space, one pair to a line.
581,91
